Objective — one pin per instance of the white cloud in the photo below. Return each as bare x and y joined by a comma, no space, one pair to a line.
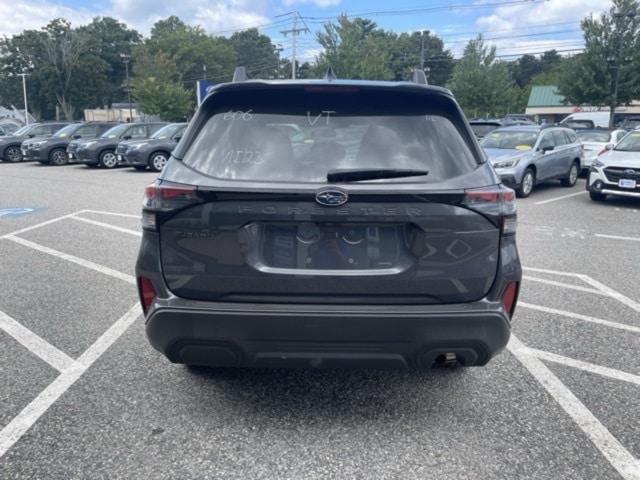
19,15
212,15
317,3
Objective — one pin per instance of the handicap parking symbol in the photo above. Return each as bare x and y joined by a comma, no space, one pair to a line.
15,212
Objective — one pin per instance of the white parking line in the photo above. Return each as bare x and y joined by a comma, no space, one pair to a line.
555,199
586,366
41,224
116,214
552,272
15,429
71,258
564,285
108,225
632,304
578,316
617,237
618,456
36,344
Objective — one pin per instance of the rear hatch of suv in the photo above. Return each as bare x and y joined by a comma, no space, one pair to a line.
328,194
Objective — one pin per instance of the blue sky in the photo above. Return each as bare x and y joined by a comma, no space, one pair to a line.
515,26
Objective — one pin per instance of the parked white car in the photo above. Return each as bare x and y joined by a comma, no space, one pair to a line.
617,170
595,141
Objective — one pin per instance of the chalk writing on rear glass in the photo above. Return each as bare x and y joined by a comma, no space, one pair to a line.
243,156
313,119
237,115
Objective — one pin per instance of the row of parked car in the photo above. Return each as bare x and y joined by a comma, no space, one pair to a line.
527,154
97,144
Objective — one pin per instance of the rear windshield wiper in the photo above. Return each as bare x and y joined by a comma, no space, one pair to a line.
361,174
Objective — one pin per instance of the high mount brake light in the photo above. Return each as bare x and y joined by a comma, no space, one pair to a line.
496,200
331,89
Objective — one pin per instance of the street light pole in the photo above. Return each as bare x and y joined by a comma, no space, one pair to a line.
24,93
422,50
616,63
126,59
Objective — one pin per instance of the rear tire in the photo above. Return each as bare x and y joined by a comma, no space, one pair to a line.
13,154
572,175
58,156
157,161
597,197
526,185
108,159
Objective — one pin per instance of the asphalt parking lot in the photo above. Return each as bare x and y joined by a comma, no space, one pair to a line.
84,395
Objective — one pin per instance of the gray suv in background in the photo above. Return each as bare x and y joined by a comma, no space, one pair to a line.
152,153
526,155
10,145
324,223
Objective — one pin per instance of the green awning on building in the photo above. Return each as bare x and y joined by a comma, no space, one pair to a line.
545,96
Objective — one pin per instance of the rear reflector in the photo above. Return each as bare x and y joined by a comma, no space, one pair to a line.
509,298
146,292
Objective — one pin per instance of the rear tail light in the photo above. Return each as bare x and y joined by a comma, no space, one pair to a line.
166,197
509,296
146,292
496,200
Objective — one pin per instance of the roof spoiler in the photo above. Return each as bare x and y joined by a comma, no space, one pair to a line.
418,76
240,75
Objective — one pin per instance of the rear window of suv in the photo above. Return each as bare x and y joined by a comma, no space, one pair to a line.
301,137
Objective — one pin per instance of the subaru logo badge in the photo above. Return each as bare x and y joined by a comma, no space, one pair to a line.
331,197
630,172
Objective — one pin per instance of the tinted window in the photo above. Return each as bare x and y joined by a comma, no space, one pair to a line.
547,140
481,129
116,132
24,130
137,131
559,138
304,147
587,136
169,131
66,131
41,130
571,136
510,140
630,143
87,131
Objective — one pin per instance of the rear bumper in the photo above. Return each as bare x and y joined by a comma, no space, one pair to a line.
259,335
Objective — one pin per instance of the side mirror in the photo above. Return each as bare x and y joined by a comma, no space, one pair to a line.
77,136
547,148
31,135
127,137
177,139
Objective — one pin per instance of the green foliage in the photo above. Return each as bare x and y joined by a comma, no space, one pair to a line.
612,49
256,52
358,49
481,84
157,87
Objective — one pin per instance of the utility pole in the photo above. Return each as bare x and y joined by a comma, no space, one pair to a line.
422,50
615,63
24,93
126,59
294,31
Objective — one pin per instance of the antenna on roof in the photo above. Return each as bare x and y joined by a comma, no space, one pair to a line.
330,74
418,76
240,74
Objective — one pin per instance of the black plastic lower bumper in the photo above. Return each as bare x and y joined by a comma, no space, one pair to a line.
314,336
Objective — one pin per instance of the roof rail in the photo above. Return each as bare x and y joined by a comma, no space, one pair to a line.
418,76
240,75
330,74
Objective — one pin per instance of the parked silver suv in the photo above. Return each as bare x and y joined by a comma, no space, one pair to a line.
526,155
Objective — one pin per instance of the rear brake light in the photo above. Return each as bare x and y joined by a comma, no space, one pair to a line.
166,196
496,200
146,292
509,295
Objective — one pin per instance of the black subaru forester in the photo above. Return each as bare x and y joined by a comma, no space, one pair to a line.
328,223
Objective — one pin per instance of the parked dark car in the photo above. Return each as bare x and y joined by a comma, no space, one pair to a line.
153,152
53,150
101,151
10,144
380,236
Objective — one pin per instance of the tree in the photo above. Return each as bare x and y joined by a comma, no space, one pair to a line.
406,55
480,83
157,87
356,49
608,71
256,52
111,39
